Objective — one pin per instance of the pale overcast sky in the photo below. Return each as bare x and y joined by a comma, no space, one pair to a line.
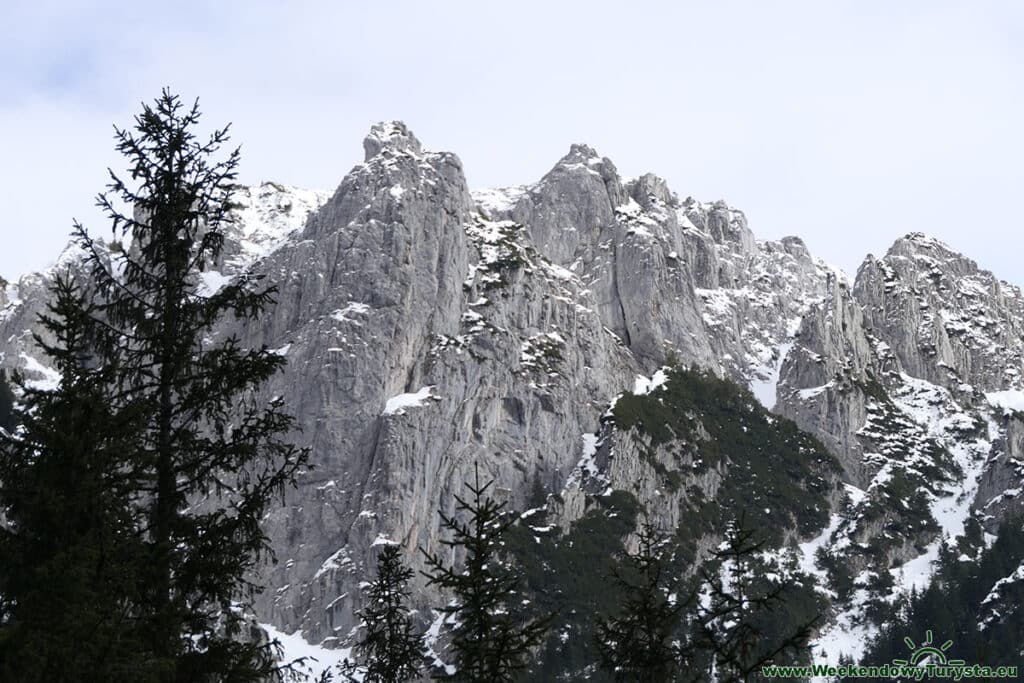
847,123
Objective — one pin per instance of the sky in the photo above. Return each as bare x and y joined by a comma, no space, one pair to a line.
846,123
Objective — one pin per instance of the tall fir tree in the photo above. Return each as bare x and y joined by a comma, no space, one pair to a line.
645,641
69,576
491,637
211,454
6,404
389,650
739,602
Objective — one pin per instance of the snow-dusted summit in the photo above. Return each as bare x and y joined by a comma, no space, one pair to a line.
429,327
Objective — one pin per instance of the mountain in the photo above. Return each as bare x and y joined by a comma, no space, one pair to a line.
611,353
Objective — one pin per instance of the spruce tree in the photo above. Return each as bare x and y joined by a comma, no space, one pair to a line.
71,556
644,641
6,404
740,602
389,650
491,637
212,454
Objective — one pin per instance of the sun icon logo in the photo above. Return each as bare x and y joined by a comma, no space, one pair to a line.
927,653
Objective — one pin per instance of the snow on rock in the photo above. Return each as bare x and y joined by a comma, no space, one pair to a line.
347,313
338,559
586,463
381,539
645,385
211,282
809,549
396,405
1010,400
50,378
811,392
765,384
846,635
496,201
430,638
265,217
993,607
9,300
316,658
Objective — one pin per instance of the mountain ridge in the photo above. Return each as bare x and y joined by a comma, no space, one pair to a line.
429,327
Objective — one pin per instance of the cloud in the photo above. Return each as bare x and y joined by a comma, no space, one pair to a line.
849,124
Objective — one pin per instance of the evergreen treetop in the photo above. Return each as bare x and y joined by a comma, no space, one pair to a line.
733,622
210,453
644,642
490,637
6,404
389,649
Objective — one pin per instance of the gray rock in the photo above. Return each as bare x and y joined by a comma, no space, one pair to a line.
428,329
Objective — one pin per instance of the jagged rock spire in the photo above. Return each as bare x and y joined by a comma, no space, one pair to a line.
393,135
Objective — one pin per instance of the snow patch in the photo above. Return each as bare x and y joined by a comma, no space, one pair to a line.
396,405
211,282
50,377
811,392
1011,399
645,385
765,384
353,308
317,659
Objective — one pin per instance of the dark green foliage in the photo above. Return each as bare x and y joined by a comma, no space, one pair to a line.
388,651
568,575
766,462
643,641
902,508
894,435
6,404
205,455
492,638
874,389
840,574
778,473
740,625
953,608
69,575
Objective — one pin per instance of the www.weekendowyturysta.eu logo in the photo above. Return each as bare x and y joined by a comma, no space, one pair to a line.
926,661
927,653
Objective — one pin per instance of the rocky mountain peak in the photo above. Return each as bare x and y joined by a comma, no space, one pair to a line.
926,252
390,135
579,151
582,161
914,242
428,330
947,320
795,246
649,189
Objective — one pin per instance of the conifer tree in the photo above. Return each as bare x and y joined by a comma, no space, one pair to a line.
389,650
6,404
491,637
71,556
643,642
730,624
211,454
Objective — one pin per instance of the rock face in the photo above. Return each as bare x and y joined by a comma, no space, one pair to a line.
946,321
429,328
999,489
